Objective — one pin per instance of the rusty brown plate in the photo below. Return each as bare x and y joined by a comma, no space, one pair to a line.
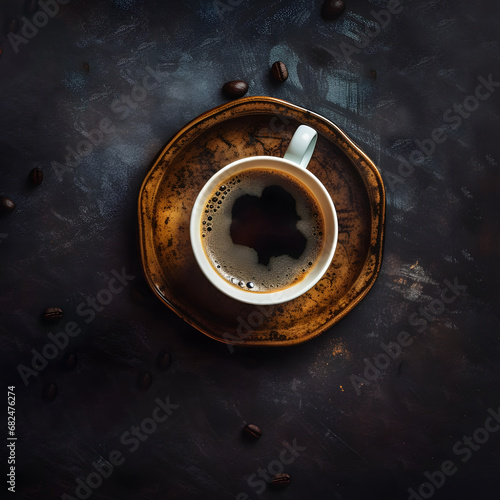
248,127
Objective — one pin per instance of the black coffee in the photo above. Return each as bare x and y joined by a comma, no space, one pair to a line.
268,224
262,230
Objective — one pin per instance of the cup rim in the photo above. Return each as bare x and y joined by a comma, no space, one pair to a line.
294,290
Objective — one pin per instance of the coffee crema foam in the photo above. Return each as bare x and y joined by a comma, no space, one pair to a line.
262,230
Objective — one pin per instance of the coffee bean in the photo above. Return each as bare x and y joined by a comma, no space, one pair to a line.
36,176
7,205
235,88
13,26
164,360
252,431
49,391
281,480
279,71
70,361
145,381
332,9
53,313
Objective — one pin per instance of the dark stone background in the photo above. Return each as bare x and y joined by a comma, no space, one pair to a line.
67,236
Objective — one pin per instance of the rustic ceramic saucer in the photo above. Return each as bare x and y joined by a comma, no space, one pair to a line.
242,128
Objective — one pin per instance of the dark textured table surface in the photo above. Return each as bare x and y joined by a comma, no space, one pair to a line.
342,418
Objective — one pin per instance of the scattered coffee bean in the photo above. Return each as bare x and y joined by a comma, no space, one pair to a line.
279,71
164,360
7,205
145,381
86,67
235,88
332,9
53,313
70,361
13,26
36,176
281,480
252,431
31,6
49,391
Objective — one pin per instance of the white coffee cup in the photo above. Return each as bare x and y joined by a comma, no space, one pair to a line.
294,164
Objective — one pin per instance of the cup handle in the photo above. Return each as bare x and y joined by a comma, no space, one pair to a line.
301,147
